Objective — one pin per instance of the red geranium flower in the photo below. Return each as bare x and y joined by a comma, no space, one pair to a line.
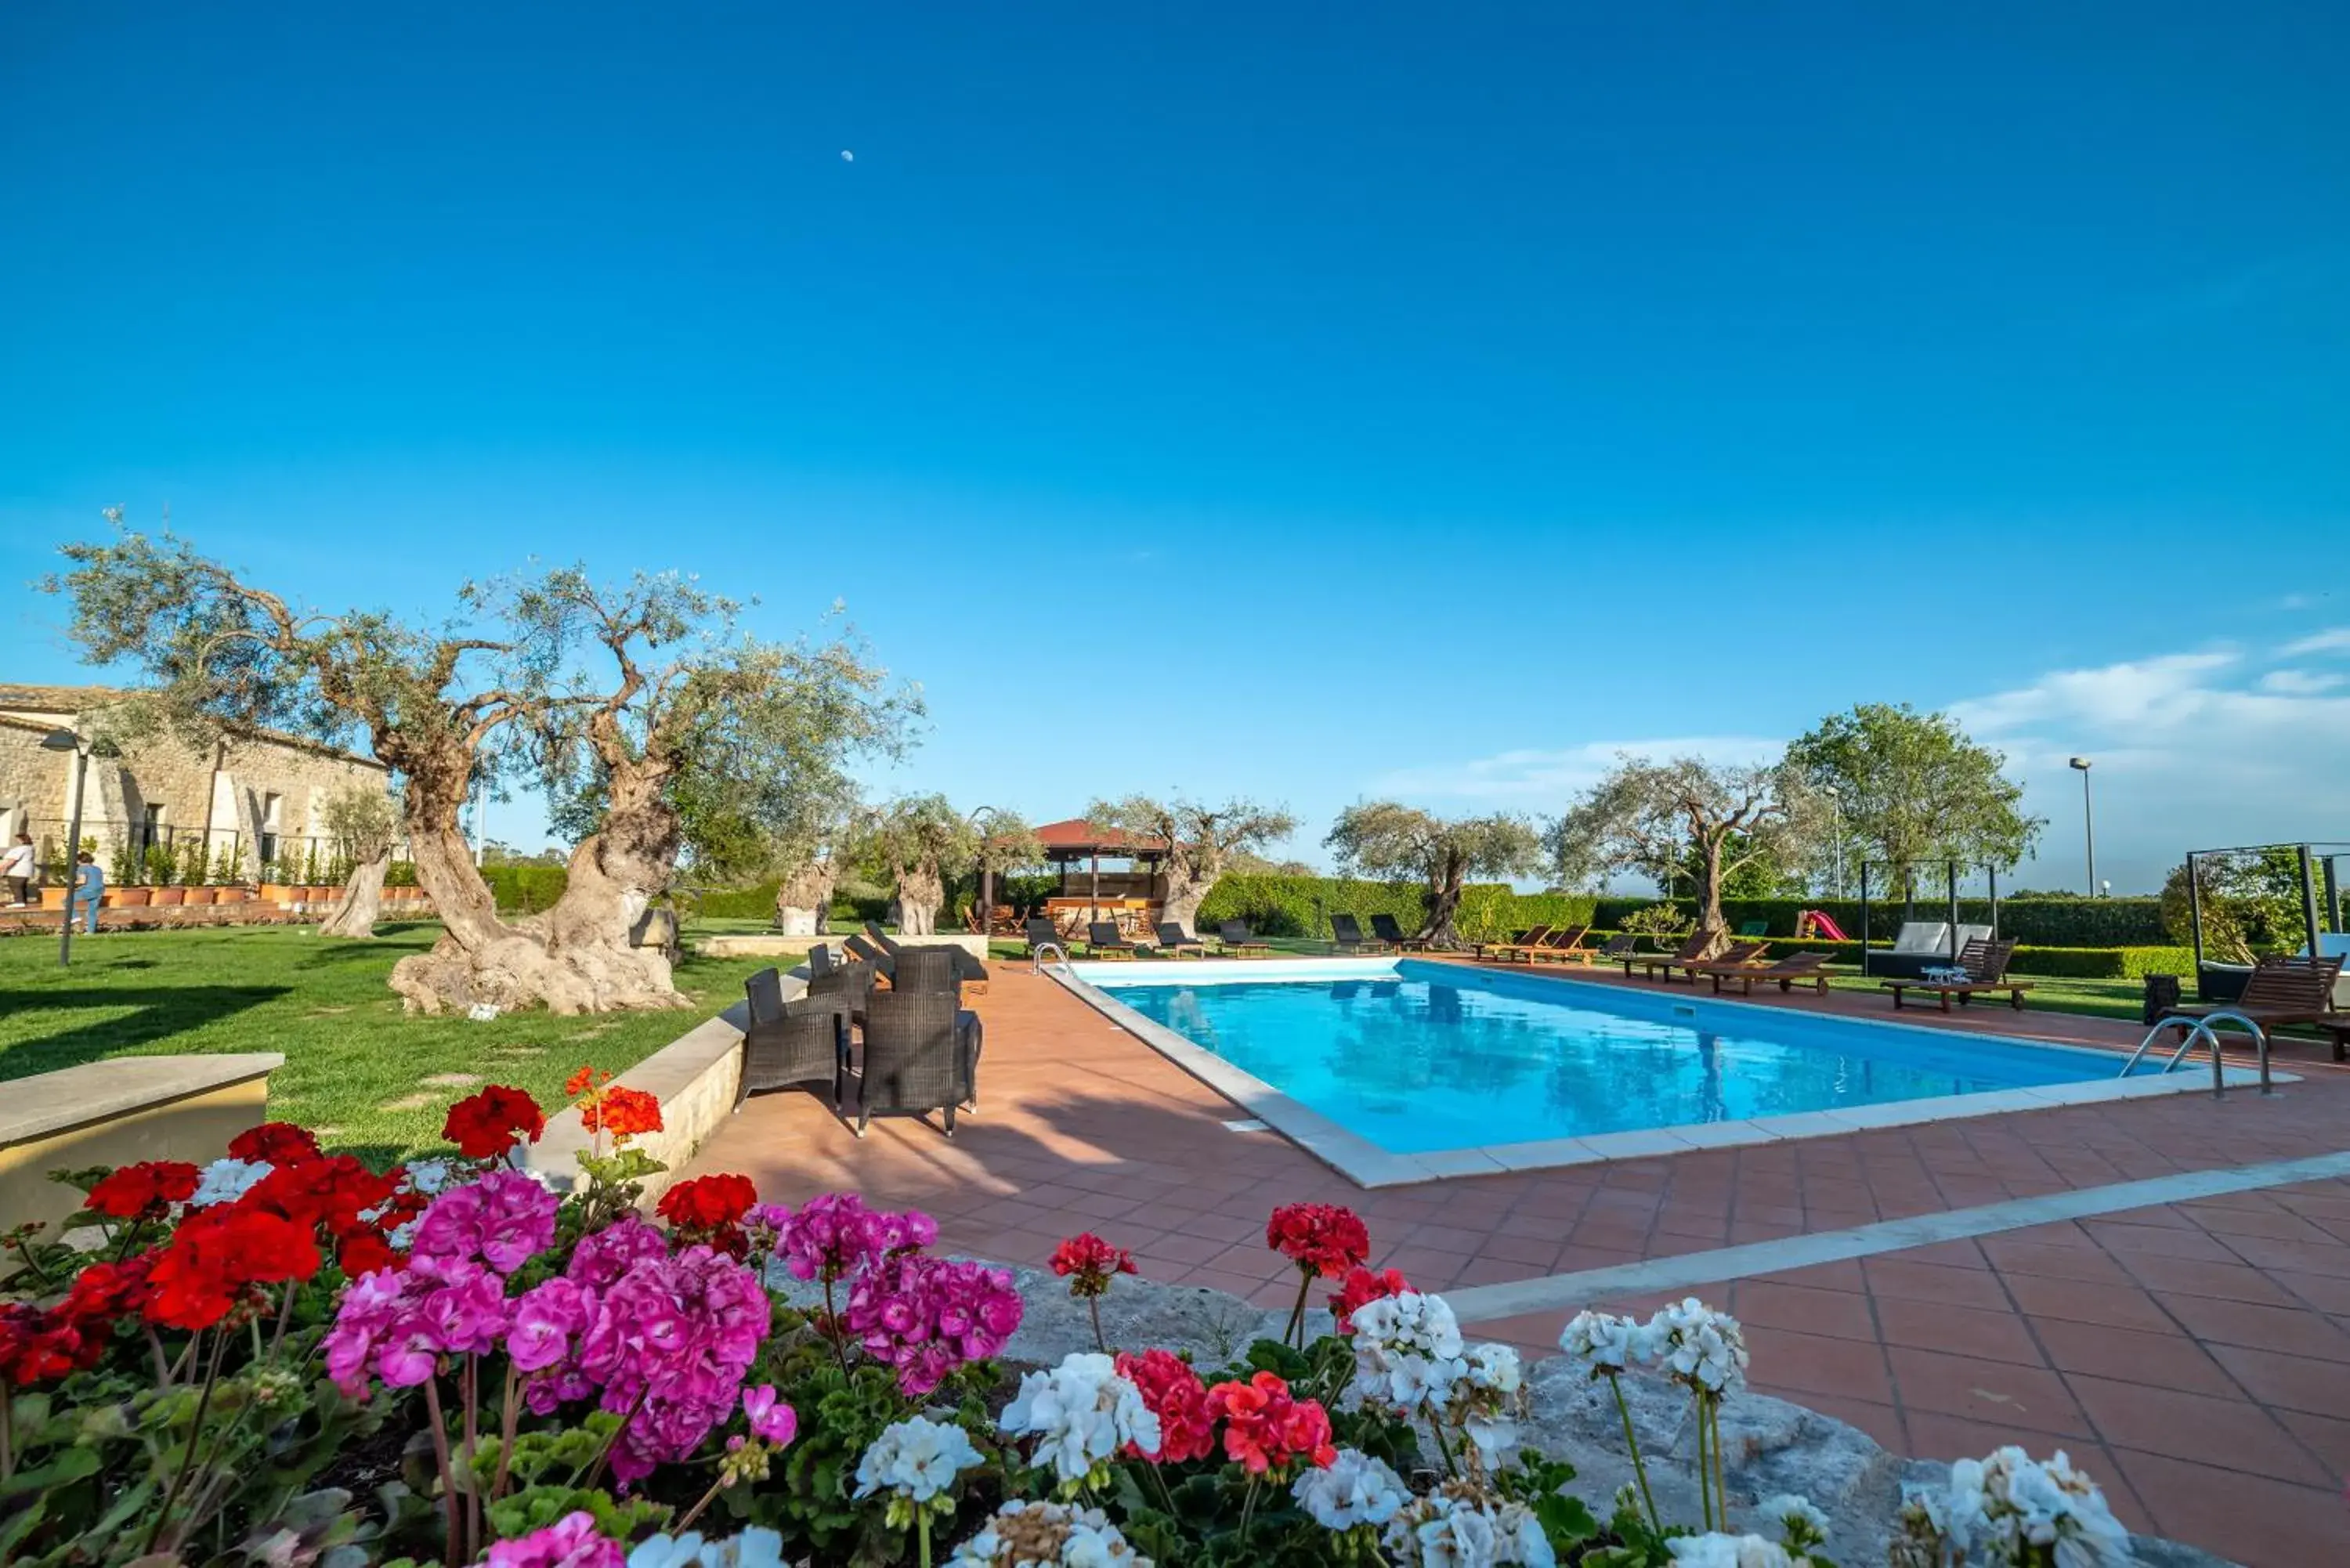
215,1258
35,1346
486,1124
1266,1427
1089,1263
710,1209
103,1293
586,1078
143,1191
366,1252
274,1142
623,1113
1187,1429
322,1193
1319,1238
1360,1288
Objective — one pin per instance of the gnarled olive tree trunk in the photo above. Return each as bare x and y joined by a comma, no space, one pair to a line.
804,899
1187,889
361,905
577,957
921,890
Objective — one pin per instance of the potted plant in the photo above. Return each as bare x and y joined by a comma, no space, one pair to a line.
160,867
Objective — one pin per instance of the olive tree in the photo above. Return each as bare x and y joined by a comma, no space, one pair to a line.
365,825
1912,788
1645,814
1201,840
1388,842
915,840
620,696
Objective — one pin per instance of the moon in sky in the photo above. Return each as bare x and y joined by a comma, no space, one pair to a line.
847,156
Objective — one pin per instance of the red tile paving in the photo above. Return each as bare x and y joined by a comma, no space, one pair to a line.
2195,1357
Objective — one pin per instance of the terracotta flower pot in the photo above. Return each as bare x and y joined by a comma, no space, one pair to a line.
130,898
277,893
200,895
53,898
166,897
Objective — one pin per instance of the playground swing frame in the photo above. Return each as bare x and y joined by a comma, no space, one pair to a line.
1951,868
2225,981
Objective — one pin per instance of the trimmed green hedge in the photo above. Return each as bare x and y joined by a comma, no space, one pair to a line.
1302,905
2045,922
527,890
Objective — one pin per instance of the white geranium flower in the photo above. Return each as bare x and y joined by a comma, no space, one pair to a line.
1047,1535
1719,1551
1355,1490
1805,1525
917,1459
1699,1347
1408,1349
1486,1398
1451,1528
1082,1412
429,1176
1606,1341
667,1551
226,1180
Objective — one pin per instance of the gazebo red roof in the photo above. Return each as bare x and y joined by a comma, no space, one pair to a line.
1078,836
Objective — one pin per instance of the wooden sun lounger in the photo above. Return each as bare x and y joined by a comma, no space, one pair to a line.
1564,947
1688,952
1233,937
1985,963
1525,939
1796,969
1737,955
2285,990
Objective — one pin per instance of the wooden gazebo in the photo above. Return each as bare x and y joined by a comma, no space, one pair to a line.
1131,892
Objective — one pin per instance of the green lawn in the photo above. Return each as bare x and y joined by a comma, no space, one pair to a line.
353,1063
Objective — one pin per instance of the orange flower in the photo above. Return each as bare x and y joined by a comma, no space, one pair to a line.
624,1113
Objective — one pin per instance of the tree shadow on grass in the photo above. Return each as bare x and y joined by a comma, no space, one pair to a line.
157,1014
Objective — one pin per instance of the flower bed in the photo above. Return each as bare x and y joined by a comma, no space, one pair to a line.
285,1357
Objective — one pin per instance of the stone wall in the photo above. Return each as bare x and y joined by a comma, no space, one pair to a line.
220,794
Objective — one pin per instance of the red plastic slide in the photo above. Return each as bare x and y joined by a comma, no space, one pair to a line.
1816,922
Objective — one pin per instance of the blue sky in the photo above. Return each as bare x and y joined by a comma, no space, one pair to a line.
1302,401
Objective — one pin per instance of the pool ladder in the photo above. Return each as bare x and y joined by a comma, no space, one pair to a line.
2206,1028
1037,959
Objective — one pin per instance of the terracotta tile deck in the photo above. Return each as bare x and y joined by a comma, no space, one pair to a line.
2195,1357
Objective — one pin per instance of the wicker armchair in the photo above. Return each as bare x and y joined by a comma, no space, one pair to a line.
791,1045
851,983
928,969
819,961
921,1054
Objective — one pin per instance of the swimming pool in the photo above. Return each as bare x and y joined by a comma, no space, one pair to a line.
1415,1059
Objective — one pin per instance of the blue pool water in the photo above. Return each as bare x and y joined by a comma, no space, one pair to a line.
1428,1056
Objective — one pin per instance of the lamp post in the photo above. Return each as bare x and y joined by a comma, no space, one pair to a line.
69,741
2088,820
986,869
1835,811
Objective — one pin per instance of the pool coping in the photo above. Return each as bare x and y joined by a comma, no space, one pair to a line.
1368,1166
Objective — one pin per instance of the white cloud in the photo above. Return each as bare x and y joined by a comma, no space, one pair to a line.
2300,682
2335,639
1547,778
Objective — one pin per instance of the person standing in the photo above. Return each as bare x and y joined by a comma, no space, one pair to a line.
88,889
17,864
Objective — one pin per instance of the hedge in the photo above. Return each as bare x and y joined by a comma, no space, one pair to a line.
2053,963
2047,922
527,890
1302,905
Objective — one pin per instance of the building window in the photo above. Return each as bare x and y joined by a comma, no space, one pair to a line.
271,808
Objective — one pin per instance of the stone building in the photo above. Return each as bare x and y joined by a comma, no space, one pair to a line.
235,807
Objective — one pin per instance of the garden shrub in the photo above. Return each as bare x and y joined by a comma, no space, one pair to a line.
1276,906
525,889
2048,922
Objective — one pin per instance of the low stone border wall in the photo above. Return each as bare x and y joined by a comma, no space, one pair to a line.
120,1111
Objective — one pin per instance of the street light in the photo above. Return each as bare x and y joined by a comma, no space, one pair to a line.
1835,808
69,741
986,870
2088,820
